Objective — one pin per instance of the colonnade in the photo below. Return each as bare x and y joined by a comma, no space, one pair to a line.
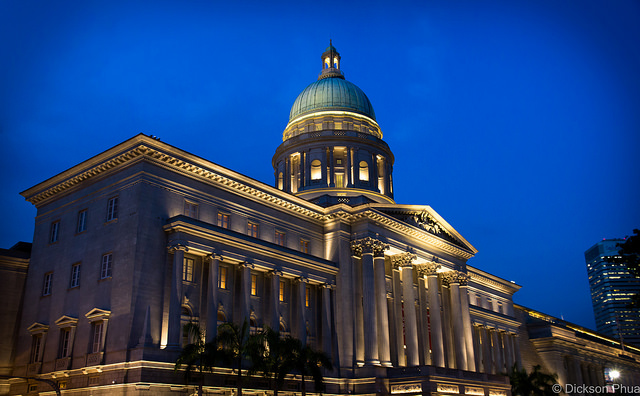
497,350
271,307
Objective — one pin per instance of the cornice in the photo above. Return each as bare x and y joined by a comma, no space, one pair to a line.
480,277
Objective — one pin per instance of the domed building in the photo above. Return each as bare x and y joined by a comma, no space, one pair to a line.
134,243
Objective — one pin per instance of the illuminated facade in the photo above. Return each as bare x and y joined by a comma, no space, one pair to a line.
612,288
138,240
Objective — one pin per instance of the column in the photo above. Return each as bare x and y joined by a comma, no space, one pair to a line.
356,252
399,319
301,314
423,327
326,318
466,321
487,359
212,299
246,292
369,306
332,181
477,347
437,345
175,299
497,352
452,278
380,293
508,351
348,171
516,350
404,260
275,299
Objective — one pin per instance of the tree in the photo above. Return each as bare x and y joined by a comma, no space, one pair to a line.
310,363
629,255
197,355
276,358
535,383
238,346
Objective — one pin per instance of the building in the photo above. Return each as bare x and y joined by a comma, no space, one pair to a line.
131,244
612,288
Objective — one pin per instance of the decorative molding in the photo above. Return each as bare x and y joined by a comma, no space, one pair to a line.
173,247
368,245
428,269
402,260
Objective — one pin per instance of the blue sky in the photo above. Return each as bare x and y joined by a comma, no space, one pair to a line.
517,121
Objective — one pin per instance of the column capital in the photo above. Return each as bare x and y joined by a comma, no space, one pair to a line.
368,245
247,264
214,256
275,272
402,260
301,279
463,279
449,278
173,247
329,286
428,269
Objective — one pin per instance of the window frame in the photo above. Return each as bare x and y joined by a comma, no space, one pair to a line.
74,280
281,291
191,209
47,284
253,229
223,277
106,266
254,285
224,220
188,269
112,209
304,245
81,225
280,238
54,232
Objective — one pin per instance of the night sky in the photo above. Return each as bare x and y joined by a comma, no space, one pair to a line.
517,121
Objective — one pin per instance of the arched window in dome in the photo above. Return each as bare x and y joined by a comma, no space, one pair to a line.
327,62
280,181
364,171
335,62
316,170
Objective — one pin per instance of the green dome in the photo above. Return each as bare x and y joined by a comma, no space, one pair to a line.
332,94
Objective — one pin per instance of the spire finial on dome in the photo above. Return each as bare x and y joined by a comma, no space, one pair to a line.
330,63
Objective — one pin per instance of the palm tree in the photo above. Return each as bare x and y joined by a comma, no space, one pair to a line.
310,363
535,383
238,346
276,358
197,354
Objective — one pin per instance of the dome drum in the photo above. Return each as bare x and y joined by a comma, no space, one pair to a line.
332,120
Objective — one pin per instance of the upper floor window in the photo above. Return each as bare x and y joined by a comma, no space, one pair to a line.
46,285
307,297
478,300
280,238
281,292
36,348
316,170
187,269
364,171
75,276
82,221
112,209
65,343
304,246
252,229
223,220
191,209
500,310
280,181
105,268
53,235
97,329
254,284
222,278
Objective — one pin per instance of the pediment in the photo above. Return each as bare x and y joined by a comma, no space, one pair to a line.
427,220
97,314
66,321
38,328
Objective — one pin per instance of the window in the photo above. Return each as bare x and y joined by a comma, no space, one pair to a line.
82,221
96,336
187,270
53,235
105,269
222,278
223,220
316,170
75,276
478,300
304,246
500,308
364,171
280,238
280,181
281,292
340,180
64,346
307,297
112,209
254,285
46,286
191,209
36,346
252,229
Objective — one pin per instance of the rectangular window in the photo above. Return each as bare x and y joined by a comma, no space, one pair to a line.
478,300
53,235
222,278
36,342
82,221
223,220
280,238
112,209
304,246
65,337
252,229
191,209
500,307
187,270
46,287
96,336
340,180
254,285
75,276
307,297
281,293
105,268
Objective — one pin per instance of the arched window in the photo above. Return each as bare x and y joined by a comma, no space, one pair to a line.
364,171
316,170
280,181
